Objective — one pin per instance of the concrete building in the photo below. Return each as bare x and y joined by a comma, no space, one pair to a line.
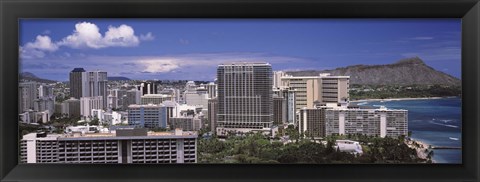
335,88
312,122
277,79
211,90
121,146
197,97
279,110
289,96
323,88
94,83
76,86
148,88
133,97
154,98
112,102
212,113
44,104
89,103
380,122
149,116
45,91
71,107
27,93
244,96
186,123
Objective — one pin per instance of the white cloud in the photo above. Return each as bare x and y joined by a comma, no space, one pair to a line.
37,48
148,37
42,43
85,35
158,65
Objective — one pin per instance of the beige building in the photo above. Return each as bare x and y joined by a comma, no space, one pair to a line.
323,88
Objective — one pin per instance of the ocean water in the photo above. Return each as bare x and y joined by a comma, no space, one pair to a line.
437,122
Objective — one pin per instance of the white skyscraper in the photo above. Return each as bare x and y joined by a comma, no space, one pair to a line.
94,83
89,103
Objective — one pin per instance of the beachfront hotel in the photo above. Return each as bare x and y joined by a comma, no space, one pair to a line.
308,89
344,120
123,146
244,97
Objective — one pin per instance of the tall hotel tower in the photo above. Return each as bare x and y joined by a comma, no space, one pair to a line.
244,97
76,82
88,84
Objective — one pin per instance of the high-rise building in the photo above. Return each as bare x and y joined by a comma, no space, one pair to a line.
149,116
148,88
133,97
45,91
277,79
44,104
335,88
311,122
27,93
76,86
323,88
89,103
289,96
212,113
244,96
279,110
197,97
373,122
123,146
71,107
211,90
94,83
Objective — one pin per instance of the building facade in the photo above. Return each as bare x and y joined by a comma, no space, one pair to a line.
149,116
279,110
212,113
89,103
373,122
244,96
154,99
94,83
27,93
122,147
76,84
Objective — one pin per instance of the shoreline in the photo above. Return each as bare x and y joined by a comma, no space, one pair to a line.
420,150
405,98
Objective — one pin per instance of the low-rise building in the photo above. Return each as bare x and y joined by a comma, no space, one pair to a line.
122,146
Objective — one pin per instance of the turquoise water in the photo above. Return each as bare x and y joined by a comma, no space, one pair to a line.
434,121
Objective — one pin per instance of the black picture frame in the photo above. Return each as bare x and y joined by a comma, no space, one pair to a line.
12,10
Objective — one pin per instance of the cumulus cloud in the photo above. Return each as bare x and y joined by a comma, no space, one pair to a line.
37,47
86,35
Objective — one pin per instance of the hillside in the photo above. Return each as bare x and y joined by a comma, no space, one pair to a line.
31,77
410,71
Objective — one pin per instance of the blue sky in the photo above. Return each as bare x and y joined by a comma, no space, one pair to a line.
191,49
